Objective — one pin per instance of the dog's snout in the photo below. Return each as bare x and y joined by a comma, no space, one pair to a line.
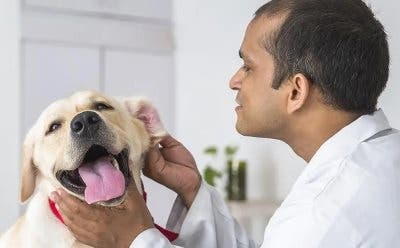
85,124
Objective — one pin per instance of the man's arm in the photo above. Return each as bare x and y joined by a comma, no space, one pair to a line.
207,223
151,238
199,214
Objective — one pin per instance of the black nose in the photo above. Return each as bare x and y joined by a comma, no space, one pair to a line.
85,124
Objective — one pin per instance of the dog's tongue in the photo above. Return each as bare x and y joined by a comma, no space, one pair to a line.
103,181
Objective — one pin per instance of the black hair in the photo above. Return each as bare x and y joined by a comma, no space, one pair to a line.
338,45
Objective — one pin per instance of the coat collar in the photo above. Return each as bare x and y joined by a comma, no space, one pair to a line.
345,142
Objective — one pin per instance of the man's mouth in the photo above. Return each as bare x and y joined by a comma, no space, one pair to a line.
237,100
100,177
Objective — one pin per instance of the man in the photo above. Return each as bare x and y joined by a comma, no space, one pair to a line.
312,73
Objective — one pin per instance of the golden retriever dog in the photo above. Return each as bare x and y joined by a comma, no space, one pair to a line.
91,145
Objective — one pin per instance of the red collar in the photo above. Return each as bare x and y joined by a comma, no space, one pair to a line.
171,236
55,211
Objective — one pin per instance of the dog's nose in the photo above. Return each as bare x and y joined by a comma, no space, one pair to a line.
85,124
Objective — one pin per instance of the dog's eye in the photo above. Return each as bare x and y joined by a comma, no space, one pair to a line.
53,127
102,106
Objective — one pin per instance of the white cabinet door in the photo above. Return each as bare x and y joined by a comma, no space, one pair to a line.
66,28
53,72
158,9
143,74
150,75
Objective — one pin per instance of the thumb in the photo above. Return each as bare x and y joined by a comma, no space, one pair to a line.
132,196
154,163
169,141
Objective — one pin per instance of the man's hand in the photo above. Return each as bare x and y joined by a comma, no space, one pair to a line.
99,226
174,167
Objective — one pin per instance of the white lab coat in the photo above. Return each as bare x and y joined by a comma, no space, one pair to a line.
347,196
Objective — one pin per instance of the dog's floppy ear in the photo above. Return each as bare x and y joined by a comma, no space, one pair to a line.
142,109
28,170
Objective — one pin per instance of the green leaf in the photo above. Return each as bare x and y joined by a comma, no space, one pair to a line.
211,150
230,151
210,174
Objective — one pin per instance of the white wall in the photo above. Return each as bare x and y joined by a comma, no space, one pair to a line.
208,36
9,102
387,12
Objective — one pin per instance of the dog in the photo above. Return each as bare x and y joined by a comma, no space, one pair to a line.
75,141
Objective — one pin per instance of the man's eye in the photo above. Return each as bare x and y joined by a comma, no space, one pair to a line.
245,68
53,127
102,106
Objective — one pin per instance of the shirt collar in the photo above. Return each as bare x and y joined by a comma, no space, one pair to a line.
346,140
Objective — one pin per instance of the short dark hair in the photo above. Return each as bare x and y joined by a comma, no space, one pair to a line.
338,45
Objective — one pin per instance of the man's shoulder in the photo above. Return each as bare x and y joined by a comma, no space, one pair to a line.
366,180
380,153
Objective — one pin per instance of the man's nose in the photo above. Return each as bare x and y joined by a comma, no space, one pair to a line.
236,81
85,124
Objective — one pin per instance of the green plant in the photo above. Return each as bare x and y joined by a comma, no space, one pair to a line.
236,175
230,151
209,172
211,150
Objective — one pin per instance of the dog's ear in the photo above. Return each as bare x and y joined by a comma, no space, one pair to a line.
142,109
28,170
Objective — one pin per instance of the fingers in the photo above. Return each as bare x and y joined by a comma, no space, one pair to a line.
154,163
101,226
71,207
86,235
171,151
80,232
154,157
132,197
169,141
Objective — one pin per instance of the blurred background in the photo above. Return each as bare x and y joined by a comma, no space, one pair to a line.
181,54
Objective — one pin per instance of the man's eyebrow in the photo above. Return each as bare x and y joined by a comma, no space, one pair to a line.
244,56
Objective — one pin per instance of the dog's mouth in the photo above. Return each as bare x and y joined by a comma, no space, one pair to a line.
101,177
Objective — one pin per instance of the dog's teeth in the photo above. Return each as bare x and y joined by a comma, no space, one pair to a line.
115,163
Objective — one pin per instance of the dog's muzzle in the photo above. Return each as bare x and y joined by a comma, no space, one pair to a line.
101,173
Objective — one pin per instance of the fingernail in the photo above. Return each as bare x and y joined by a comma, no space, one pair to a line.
59,191
54,196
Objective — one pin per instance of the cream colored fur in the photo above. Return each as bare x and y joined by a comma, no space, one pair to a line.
44,154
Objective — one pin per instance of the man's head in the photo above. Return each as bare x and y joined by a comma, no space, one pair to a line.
299,54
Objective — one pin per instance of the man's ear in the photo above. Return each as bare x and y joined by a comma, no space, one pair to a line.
299,92
142,109
28,170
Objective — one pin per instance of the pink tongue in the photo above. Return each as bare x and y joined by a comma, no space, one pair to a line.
103,181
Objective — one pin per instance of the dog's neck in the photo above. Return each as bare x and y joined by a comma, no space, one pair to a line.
50,230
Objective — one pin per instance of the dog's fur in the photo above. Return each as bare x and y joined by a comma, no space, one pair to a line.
131,124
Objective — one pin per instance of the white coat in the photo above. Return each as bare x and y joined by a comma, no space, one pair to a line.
347,196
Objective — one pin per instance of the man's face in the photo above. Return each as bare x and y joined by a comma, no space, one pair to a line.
261,110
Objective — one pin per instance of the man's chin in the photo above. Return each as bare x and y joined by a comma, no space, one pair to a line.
241,129
251,132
